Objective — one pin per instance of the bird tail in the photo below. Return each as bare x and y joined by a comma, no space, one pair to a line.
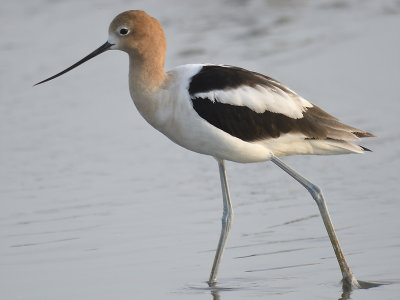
336,137
330,146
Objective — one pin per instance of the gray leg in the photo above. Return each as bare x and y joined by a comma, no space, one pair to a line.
316,193
227,218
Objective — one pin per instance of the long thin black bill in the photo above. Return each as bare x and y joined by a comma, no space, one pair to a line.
96,52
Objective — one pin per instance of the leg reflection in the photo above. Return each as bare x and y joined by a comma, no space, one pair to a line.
215,295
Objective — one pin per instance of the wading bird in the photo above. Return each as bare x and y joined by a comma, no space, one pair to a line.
228,113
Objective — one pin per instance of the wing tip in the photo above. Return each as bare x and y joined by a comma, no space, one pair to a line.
365,149
363,134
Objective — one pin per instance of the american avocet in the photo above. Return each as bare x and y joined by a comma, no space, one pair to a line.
228,113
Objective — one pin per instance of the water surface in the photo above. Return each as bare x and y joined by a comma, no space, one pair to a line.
95,204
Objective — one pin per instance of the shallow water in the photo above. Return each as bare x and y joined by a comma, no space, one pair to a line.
95,204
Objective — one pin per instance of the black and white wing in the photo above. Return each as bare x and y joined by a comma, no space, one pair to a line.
252,106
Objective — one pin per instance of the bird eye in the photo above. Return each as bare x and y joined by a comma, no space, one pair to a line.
123,31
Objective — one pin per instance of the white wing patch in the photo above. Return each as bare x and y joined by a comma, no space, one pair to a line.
261,99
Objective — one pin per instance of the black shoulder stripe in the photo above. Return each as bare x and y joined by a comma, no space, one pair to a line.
213,77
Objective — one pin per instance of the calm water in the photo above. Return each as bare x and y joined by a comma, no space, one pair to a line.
95,204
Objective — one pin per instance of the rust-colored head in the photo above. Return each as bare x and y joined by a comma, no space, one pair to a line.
134,32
